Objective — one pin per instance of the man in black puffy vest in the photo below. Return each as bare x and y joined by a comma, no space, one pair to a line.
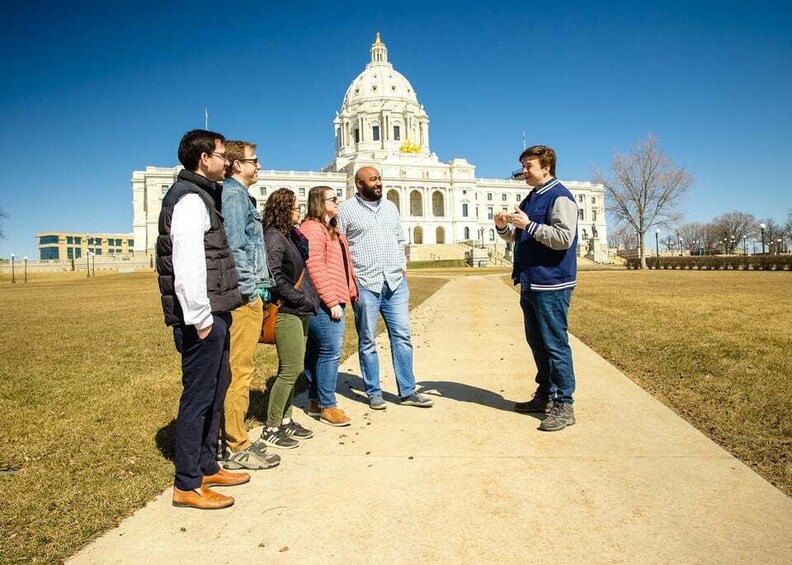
198,283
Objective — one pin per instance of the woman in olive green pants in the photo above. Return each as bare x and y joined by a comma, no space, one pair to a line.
287,251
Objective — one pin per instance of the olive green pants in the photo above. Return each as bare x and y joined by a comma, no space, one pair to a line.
291,333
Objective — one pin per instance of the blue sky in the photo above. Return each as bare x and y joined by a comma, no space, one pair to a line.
91,91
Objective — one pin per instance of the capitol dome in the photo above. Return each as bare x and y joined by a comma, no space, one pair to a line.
380,112
379,80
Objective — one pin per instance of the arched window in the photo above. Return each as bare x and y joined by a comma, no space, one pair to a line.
440,235
416,203
418,235
393,196
467,234
438,206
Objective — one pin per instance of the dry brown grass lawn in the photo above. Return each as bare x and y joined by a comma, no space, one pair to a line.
88,391
714,346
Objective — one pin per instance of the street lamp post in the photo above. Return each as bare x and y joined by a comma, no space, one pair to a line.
761,229
657,243
25,258
753,246
745,245
779,247
681,242
13,277
93,264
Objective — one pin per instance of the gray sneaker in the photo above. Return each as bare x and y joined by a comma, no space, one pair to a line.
539,404
415,399
376,402
561,415
254,458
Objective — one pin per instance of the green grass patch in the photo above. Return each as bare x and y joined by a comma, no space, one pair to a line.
713,346
89,390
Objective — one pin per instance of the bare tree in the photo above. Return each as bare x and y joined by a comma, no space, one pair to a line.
621,237
693,234
773,231
644,189
731,227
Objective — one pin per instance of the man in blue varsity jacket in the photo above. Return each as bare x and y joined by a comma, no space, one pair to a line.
544,231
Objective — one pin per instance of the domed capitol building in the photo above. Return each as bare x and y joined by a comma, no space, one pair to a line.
382,124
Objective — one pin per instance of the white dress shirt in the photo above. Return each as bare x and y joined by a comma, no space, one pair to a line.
189,223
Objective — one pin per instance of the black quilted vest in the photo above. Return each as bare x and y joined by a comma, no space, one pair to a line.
221,275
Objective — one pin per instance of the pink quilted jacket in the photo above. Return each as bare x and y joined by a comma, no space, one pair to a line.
326,265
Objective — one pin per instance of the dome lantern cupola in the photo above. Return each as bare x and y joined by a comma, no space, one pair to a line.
379,53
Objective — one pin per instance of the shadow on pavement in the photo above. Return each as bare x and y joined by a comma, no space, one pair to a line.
467,393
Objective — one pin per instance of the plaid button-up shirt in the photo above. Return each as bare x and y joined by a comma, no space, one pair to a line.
376,242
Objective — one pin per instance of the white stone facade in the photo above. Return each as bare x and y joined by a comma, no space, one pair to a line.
382,124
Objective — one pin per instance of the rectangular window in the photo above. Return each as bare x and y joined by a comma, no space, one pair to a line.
580,198
48,239
594,215
98,251
504,196
580,214
339,193
357,135
77,253
464,210
97,241
118,243
69,240
131,243
396,133
50,254
518,198
489,196
70,253
489,212
263,191
375,133
78,241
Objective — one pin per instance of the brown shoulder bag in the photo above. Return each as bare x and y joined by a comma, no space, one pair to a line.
271,313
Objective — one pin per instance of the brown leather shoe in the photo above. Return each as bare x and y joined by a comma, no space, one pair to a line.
225,479
335,417
204,499
313,409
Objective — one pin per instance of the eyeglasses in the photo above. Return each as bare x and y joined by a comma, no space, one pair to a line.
221,155
296,209
253,160
333,199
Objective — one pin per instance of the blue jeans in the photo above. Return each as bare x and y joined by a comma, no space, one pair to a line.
394,307
545,317
322,356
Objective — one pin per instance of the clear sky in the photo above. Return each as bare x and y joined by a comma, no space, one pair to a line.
90,91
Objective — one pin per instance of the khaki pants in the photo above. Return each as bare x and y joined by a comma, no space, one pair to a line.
245,331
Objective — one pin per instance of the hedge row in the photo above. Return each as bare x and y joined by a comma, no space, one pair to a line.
718,262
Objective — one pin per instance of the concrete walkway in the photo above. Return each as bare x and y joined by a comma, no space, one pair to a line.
472,481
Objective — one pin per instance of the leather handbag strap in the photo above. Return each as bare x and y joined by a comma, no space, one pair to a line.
300,280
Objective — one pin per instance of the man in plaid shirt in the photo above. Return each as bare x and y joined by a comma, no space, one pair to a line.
376,243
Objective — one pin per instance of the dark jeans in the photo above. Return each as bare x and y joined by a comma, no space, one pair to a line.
204,382
545,317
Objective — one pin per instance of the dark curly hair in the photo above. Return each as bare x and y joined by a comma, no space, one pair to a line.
278,213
